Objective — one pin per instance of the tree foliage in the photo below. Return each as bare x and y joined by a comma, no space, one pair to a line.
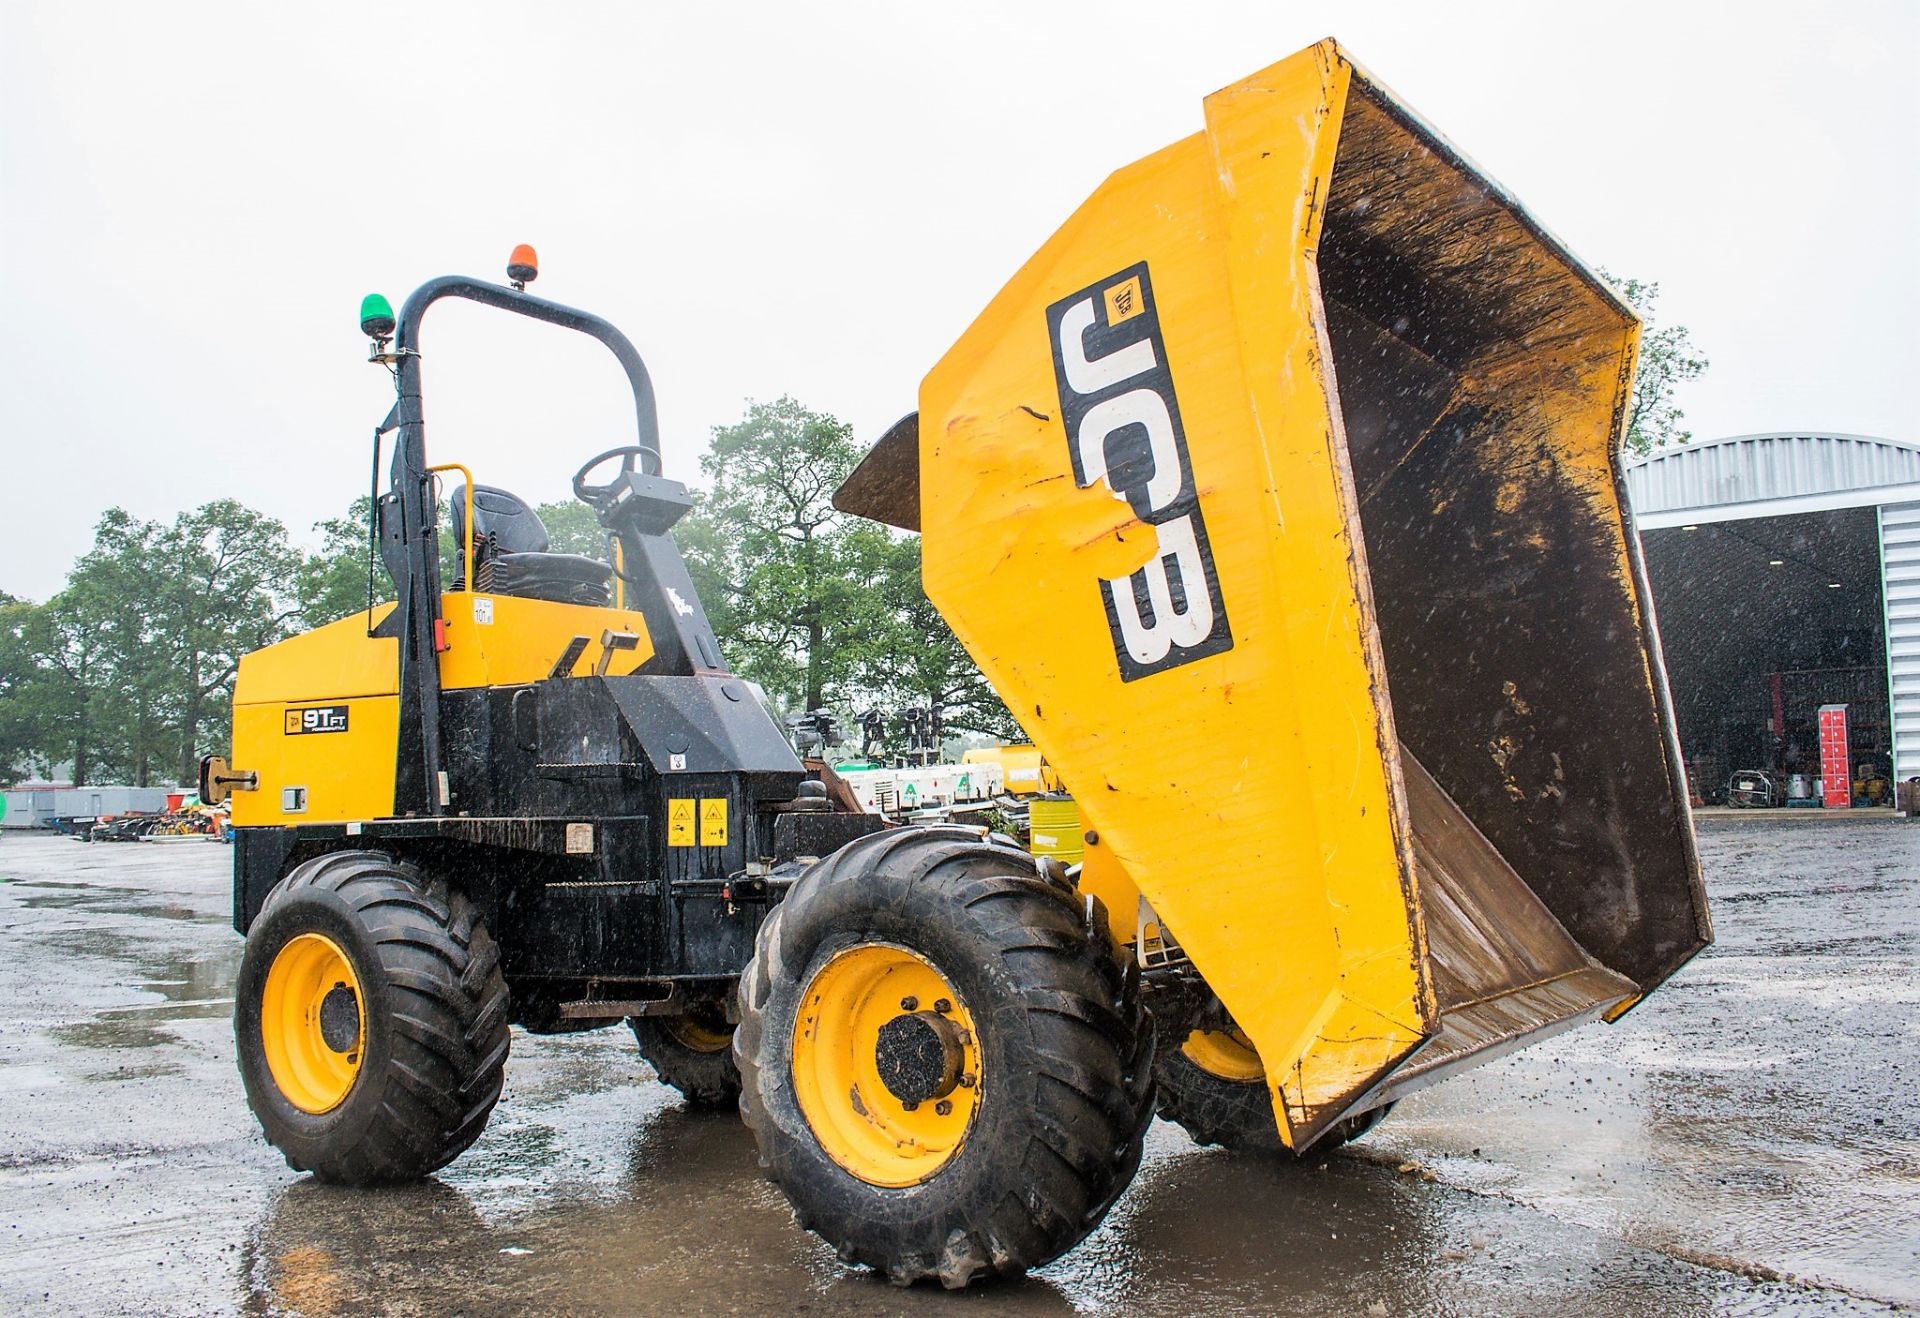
224,595
127,673
824,610
332,583
572,528
921,664
1668,358
28,695
793,585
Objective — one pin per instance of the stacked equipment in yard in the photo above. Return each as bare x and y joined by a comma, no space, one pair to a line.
38,805
910,791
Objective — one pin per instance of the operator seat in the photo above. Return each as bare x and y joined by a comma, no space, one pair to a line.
510,552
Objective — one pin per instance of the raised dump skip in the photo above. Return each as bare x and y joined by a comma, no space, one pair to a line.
1479,376
1277,494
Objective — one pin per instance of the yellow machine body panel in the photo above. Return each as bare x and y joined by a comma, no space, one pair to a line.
503,640
317,715
318,761
1292,414
328,663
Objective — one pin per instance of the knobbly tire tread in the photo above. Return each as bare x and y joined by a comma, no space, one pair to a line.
436,1006
1069,1055
1237,1114
705,1080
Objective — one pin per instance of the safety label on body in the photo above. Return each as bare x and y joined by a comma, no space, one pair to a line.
713,821
680,822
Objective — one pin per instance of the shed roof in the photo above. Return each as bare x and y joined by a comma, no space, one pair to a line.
1746,476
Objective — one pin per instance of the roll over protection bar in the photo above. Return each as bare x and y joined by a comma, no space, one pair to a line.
417,786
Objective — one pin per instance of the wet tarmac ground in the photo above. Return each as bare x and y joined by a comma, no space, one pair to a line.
1746,1142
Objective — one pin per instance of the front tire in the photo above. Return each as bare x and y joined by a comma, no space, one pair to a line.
371,1020
943,1060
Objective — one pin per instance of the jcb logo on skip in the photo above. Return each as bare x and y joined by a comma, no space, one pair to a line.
1123,427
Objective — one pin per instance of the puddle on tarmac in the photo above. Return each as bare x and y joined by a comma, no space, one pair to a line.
689,1225
198,988
100,899
1753,1118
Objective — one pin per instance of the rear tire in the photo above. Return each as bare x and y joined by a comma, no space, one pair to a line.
1000,1003
1212,1087
693,1054
404,1090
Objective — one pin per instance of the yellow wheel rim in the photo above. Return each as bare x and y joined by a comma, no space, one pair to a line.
313,1023
1227,1054
886,1064
700,1034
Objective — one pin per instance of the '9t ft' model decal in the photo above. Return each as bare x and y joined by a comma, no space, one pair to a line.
1123,427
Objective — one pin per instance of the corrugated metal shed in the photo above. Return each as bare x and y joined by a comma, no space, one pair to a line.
1900,589
1749,476
1770,475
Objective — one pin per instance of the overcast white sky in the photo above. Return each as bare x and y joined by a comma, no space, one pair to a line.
769,200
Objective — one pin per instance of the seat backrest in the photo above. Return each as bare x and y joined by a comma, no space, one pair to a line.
503,523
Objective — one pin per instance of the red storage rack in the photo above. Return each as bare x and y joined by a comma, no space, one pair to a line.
1836,765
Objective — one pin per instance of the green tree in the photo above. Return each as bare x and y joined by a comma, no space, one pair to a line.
71,709
108,642
134,659
332,583
18,737
1668,358
25,689
573,529
73,679
224,594
921,663
794,587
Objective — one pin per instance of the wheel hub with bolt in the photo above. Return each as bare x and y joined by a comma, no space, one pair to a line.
340,1019
886,1064
919,1056
312,1023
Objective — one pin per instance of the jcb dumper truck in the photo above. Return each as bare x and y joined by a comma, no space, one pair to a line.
1277,494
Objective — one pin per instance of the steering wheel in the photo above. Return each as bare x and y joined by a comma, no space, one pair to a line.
593,495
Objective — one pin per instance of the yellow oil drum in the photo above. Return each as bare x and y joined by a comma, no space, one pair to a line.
1054,821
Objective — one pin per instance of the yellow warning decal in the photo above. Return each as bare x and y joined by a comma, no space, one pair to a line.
713,821
680,821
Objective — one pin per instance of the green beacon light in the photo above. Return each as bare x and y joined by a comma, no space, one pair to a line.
376,317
